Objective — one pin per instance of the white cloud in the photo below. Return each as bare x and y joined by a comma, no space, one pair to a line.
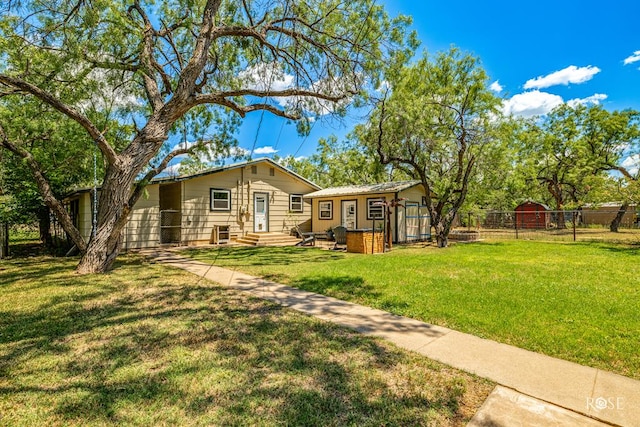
536,103
571,74
593,99
172,170
633,58
531,103
631,160
113,92
265,150
271,77
267,77
496,86
239,152
632,163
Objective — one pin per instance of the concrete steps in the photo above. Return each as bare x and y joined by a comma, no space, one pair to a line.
268,239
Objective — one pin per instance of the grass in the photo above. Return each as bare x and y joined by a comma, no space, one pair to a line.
574,301
149,345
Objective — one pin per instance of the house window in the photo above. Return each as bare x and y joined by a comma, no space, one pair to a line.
220,199
272,171
254,170
375,209
325,210
295,203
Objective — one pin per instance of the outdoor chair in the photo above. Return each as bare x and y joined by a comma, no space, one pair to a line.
340,235
306,238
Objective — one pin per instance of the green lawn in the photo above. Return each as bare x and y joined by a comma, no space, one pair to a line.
150,345
575,301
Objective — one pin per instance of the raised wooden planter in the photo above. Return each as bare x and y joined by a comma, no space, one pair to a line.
365,241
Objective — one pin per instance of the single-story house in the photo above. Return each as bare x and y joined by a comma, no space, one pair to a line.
249,197
359,207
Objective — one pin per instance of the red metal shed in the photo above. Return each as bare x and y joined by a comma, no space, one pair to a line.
532,215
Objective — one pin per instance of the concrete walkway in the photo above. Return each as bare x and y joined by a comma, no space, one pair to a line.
539,389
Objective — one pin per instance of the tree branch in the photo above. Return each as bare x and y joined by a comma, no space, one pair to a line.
146,58
141,184
190,73
45,190
108,151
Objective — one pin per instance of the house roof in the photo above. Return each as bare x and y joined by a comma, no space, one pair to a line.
606,205
350,190
165,179
533,202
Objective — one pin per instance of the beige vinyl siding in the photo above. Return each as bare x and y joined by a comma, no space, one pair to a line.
143,228
321,225
198,220
85,216
192,198
413,194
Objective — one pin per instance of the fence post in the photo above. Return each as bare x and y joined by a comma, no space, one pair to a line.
515,216
574,225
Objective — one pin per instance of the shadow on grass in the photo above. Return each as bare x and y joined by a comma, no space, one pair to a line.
145,346
337,286
349,288
256,256
627,248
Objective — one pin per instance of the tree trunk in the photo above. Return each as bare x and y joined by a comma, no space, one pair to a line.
4,240
101,253
117,198
44,226
442,240
556,191
560,220
615,224
113,211
442,234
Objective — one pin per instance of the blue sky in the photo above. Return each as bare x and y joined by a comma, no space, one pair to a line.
540,54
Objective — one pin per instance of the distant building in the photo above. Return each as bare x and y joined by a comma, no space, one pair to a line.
532,215
604,213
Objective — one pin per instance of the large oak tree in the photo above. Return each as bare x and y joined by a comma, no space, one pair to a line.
159,62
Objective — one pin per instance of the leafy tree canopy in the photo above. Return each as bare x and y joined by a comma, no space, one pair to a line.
157,68
437,122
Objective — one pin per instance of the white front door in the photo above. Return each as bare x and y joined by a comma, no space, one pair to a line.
349,214
260,212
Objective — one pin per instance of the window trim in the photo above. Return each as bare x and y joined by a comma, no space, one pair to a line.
291,209
211,199
330,202
369,206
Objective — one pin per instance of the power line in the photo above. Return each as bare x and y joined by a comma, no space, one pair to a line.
271,78
305,139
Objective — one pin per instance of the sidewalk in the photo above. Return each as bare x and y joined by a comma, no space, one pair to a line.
535,380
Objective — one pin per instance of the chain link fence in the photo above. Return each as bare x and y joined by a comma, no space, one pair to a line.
566,225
